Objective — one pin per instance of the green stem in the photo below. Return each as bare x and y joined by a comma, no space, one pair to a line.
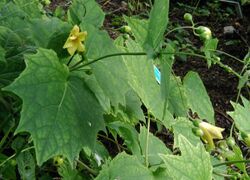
222,174
147,140
231,162
74,67
229,55
12,156
5,137
92,171
178,28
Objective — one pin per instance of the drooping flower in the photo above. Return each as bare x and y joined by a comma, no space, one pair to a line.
210,132
74,41
204,32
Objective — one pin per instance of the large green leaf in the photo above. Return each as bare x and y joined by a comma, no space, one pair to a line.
142,80
59,110
194,162
111,73
125,167
184,127
241,115
153,145
139,28
198,99
87,11
13,17
41,30
157,24
12,63
31,8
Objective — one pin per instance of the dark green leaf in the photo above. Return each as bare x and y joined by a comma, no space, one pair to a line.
125,167
198,99
110,73
87,11
58,110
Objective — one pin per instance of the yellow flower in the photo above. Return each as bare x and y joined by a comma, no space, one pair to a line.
210,132
74,41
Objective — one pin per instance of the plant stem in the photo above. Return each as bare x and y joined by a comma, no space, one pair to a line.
12,156
104,57
147,139
229,55
178,28
222,174
231,162
74,67
92,171
5,137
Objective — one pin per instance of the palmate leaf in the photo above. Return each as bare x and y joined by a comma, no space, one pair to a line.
87,11
59,110
111,73
241,115
125,167
194,162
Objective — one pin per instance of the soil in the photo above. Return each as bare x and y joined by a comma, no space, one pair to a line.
221,86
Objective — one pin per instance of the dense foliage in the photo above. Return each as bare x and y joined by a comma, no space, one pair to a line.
66,86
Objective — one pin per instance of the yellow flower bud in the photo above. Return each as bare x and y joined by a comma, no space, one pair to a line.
210,132
74,41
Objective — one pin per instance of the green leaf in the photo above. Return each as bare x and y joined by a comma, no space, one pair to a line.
41,30
198,99
2,58
142,80
177,103
87,11
31,8
155,147
183,126
194,162
100,95
111,73
9,41
139,28
58,109
16,19
158,21
13,57
67,173
241,114
26,165
171,86
125,167
209,47
129,134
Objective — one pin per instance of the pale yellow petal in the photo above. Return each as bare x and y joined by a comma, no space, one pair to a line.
82,36
75,30
81,47
72,50
68,44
